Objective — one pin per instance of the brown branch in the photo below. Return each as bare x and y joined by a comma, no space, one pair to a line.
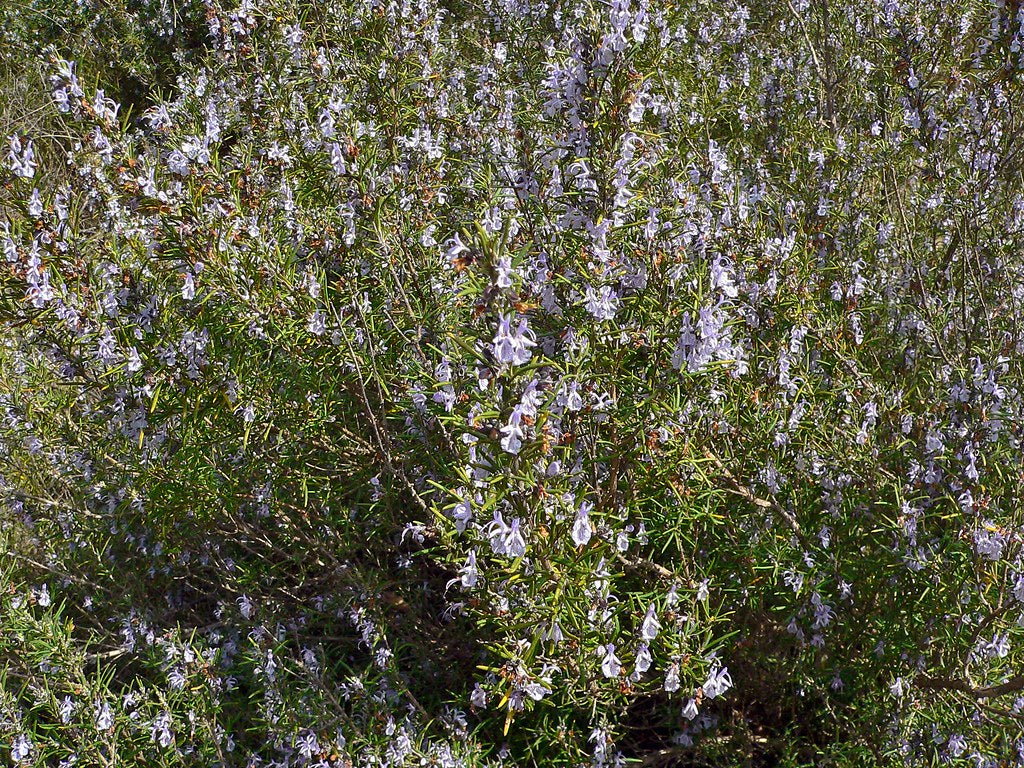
770,504
646,565
1013,685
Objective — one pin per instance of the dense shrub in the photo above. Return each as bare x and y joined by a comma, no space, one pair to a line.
527,383
130,48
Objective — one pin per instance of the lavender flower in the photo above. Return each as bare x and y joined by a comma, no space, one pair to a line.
650,627
512,432
513,347
602,303
581,527
22,158
610,663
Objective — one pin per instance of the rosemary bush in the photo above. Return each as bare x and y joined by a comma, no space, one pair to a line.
528,383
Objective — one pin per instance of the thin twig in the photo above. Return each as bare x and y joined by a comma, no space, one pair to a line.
770,504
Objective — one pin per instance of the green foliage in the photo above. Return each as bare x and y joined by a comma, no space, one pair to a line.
130,49
553,385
